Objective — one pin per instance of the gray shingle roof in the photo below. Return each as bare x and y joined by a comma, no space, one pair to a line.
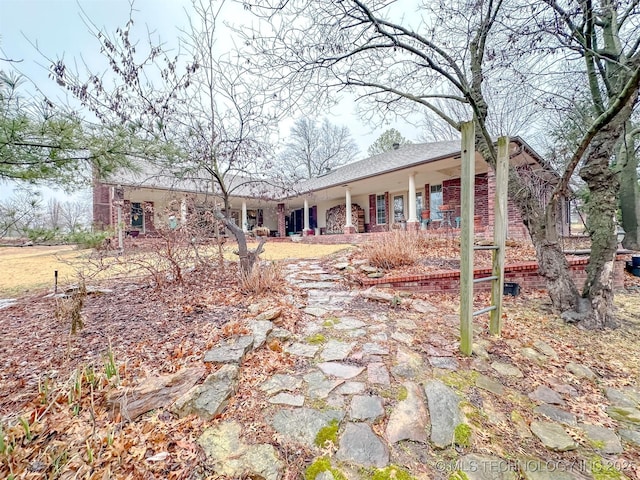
403,157
148,175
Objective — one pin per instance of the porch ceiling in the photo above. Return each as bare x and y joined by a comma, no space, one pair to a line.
398,181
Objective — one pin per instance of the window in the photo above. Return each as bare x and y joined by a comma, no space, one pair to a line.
381,210
419,204
398,208
435,201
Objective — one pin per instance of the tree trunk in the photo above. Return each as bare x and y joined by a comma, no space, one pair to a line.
603,183
247,257
629,192
552,262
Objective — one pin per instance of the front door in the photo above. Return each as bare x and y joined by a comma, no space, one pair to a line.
398,209
137,216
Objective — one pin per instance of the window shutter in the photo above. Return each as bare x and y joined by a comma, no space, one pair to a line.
372,210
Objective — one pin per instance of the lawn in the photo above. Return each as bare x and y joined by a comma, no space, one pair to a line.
25,269
28,269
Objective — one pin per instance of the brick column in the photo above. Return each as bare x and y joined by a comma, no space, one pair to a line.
149,217
281,222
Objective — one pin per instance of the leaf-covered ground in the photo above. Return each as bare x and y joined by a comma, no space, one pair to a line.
56,422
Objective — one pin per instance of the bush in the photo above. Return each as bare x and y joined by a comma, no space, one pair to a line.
39,235
394,249
88,239
264,277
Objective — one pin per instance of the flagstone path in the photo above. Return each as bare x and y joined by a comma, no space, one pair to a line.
382,392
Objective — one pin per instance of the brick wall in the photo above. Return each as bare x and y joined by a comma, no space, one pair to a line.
373,219
451,191
515,227
372,213
101,206
526,274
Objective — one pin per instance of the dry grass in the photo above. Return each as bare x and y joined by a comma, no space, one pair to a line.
290,250
32,268
393,250
265,277
29,269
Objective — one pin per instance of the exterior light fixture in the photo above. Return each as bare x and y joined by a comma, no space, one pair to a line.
620,233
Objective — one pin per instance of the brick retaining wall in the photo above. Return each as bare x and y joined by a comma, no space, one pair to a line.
525,273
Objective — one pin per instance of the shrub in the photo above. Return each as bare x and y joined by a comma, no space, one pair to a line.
39,235
88,239
392,250
264,277
70,308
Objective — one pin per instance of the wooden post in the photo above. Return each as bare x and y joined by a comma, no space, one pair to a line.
120,228
467,174
499,234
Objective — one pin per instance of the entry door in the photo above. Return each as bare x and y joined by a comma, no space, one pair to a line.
137,216
398,208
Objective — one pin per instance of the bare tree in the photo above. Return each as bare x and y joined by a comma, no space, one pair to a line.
314,148
54,213
21,213
397,64
74,215
213,117
606,35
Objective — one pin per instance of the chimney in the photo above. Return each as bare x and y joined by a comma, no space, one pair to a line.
396,146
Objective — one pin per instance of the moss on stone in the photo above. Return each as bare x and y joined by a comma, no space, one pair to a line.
462,435
390,473
322,464
316,339
458,475
330,321
604,471
328,433
472,413
403,393
316,403
460,380
516,416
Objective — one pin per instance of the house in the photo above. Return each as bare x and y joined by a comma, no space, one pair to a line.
413,186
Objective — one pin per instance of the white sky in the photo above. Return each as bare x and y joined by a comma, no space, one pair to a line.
56,26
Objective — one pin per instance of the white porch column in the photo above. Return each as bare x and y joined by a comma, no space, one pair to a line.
244,217
183,211
348,220
412,199
305,228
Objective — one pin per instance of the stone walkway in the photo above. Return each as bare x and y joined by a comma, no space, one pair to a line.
381,395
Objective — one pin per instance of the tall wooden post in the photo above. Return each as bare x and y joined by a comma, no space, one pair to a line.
468,164
499,234
120,228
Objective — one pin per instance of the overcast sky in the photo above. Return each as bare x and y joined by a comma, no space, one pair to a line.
58,29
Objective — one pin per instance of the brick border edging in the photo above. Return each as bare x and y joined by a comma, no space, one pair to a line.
525,273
